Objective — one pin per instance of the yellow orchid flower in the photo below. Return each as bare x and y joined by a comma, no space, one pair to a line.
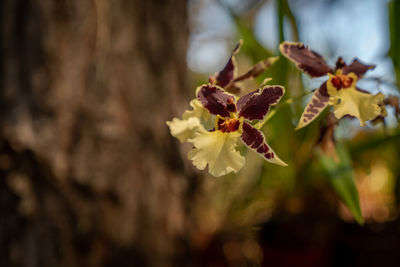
339,91
216,147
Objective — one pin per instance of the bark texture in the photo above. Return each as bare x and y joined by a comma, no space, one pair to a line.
89,175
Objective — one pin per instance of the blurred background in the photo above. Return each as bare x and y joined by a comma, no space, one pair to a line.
90,176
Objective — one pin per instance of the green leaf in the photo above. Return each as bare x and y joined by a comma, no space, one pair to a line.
340,175
394,24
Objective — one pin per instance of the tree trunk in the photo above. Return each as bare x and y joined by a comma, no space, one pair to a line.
89,175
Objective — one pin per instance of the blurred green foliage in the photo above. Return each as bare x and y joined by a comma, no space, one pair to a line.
341,176
394,23
260,188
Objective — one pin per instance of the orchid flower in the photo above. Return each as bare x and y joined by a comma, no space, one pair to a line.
232,119
339,90
227,78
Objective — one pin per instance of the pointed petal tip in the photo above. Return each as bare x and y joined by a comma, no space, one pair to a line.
281,45
298,127
255,140
276,160
281,163
301,125
273,59
266,80
237,47
281,48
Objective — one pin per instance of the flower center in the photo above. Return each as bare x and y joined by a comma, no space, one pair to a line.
341,81
228,125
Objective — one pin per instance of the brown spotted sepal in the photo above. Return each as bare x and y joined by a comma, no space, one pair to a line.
256,104
315,106
356,67
226,75
216,100
228,79
305,59
257,69
255,140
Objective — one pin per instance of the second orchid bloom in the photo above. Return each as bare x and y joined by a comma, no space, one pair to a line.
339,90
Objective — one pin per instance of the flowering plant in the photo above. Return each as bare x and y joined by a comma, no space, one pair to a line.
339,90
228,79
219,118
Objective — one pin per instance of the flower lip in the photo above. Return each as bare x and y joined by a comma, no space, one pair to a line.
228,125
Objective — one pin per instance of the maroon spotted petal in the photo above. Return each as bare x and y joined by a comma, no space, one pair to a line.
305,59
255,140
216,101
315,106
226,75
256,104
252,137
358,68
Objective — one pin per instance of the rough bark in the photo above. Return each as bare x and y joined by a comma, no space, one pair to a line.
89,175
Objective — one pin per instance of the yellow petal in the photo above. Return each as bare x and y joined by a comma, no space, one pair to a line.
184,129
198,111
217,150
192,121
351,101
